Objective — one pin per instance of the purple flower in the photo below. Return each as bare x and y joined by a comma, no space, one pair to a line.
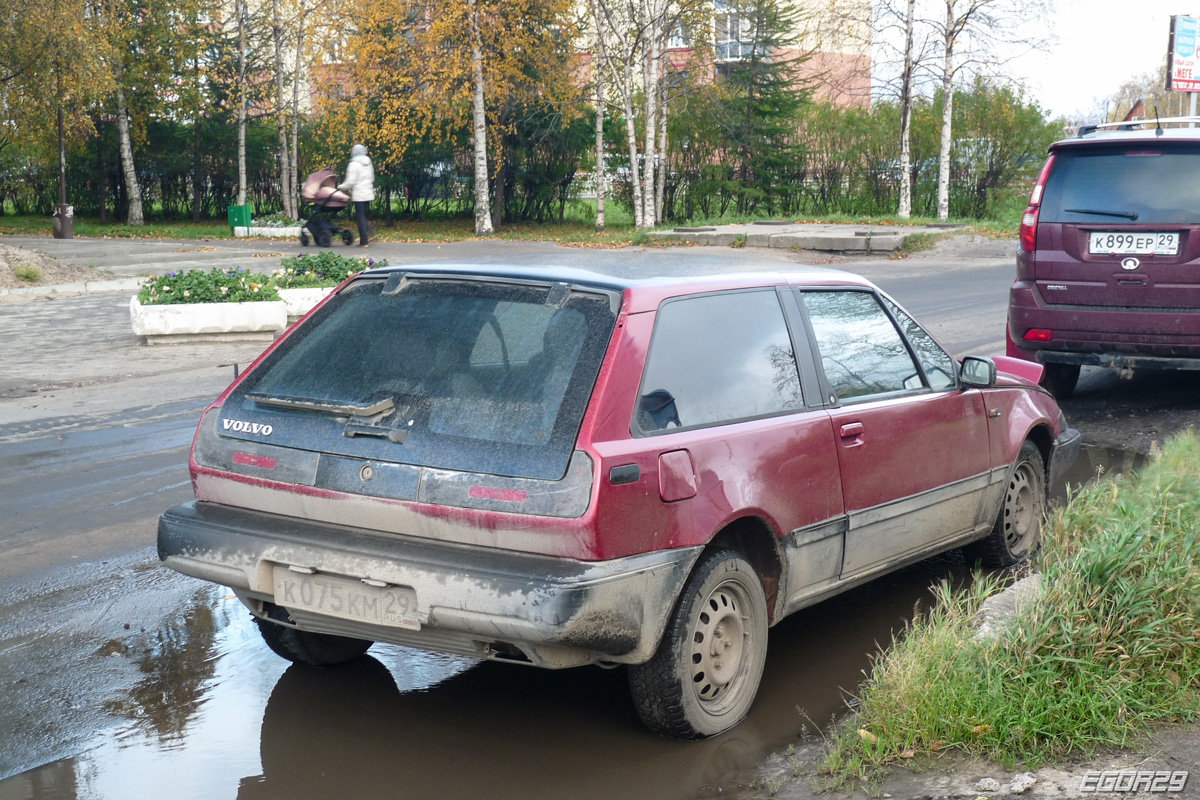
171,275
239,270
370,262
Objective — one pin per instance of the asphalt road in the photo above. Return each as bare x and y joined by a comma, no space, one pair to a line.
94,431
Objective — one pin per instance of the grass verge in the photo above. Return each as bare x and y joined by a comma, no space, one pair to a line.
1111,647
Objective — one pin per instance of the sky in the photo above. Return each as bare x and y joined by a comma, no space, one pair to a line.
1100,44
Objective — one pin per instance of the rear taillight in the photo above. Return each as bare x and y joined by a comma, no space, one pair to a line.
1029,229
1029,219
1038,335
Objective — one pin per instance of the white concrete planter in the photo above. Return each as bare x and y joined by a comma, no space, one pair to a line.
207,321
271,233
300,301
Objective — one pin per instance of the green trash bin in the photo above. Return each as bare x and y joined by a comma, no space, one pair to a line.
239,216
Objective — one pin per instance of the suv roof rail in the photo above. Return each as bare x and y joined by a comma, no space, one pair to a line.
1128,125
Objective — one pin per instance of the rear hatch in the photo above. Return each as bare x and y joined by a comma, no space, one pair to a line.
440,373
1119,226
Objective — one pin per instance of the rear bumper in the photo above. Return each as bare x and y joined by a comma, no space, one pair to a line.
504,605
1162,338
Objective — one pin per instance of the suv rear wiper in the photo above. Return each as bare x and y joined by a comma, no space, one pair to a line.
1130,215
325,406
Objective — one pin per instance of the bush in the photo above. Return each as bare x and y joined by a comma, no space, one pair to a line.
218,286
27,273
326,268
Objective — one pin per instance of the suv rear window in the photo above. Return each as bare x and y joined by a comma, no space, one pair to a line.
446,373
1153,180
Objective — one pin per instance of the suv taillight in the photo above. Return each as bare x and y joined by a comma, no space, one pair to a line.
1029,219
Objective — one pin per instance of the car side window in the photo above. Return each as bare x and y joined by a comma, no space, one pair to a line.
861,350
938,365
718,358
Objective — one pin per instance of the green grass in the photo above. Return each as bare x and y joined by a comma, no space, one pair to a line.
27,273
577,228
41,226
1111,647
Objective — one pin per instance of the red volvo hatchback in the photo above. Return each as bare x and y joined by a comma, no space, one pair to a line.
557,468
1108,269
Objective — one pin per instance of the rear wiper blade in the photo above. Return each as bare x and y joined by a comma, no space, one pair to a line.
325,406
1131,215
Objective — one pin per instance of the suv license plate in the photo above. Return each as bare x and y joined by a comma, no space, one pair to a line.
1146,243
394,606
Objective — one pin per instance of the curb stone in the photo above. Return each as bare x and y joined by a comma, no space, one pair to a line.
83,287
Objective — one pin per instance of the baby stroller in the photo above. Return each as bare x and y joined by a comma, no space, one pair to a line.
323,200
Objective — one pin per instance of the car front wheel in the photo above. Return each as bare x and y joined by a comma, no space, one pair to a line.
306,647
1018,528
703,678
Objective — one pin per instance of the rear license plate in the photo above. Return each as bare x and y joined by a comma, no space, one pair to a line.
394,606
1144,243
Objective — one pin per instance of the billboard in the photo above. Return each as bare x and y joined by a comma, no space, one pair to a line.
1183,72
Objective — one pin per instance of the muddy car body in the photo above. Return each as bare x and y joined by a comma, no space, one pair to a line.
559,468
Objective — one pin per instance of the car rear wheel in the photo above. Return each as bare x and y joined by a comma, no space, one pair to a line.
703,678
1018,529
306,647
1060,379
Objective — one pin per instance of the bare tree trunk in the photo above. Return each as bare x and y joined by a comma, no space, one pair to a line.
134,192
905,210
599,151
635,181
483,212
240,10
196,177
660,188
651,121
103,175
598,75
943,189
285,187
296,114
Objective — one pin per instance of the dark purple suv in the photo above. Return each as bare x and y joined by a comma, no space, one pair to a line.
1108,269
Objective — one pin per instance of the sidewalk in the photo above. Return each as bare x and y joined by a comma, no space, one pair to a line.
785,235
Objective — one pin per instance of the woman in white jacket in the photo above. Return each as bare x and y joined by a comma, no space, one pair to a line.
360,183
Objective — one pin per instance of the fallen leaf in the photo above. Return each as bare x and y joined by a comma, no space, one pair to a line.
867,736
1173,677
908,754
935,746
980,730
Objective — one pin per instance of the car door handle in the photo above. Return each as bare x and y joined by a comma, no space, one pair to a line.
851,431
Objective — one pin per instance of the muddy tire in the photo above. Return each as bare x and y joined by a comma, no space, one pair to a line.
1018,528
1060,379
305,647
703,678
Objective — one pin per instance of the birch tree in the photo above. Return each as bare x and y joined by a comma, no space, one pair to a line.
978,37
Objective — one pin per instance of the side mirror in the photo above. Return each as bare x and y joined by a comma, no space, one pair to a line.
978,371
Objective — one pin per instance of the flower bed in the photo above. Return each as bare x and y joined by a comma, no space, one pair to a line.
207,304
320,269
218,286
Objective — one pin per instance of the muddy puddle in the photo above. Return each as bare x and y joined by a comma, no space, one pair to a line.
210,712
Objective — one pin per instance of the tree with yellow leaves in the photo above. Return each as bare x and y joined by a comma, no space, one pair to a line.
51,72
421,69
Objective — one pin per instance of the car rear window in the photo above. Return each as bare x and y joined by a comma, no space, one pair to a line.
1153,180
454,374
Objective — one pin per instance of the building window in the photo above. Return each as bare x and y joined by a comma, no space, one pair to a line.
734,31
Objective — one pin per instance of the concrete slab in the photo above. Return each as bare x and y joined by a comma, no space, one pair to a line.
785,235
